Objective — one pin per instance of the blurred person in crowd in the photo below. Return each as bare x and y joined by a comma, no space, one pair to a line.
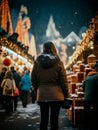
8,85
50,84
25,87
90,86
17,79
2,74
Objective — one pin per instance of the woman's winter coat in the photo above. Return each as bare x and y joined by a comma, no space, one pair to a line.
8,84
49,78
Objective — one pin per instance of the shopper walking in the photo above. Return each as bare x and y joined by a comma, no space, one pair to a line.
2,101
90,86
50,84
17,79
8,85
25,87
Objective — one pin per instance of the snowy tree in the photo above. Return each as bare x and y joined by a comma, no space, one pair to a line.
52,33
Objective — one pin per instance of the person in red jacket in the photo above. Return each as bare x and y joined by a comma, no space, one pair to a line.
50,84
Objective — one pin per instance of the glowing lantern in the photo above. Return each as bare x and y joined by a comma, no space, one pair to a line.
7,62
20,62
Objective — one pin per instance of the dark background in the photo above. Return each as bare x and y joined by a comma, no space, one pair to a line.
68,15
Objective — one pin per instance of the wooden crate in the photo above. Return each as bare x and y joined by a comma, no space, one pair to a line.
78,111
73,78
80,77
78,116
72,88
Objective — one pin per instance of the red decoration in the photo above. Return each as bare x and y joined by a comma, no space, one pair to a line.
16,92
7,62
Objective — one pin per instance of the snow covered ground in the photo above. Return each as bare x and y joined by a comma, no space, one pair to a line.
29,119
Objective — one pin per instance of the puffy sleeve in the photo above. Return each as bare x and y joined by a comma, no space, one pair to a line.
34,77
63,79
14,85
3,83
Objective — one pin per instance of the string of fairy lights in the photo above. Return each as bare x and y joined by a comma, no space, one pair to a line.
16,48
87,42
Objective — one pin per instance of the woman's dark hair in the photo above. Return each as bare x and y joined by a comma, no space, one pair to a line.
50,48
9,75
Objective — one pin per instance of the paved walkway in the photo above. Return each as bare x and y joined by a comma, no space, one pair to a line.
29,118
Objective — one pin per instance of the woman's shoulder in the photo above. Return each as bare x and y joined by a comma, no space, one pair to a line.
7,79
60,63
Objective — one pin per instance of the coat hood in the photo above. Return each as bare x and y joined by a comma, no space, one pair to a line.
47,60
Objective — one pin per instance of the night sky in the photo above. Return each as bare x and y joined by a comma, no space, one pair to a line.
68,15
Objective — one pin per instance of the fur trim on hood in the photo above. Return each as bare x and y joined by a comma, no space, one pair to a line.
47,60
